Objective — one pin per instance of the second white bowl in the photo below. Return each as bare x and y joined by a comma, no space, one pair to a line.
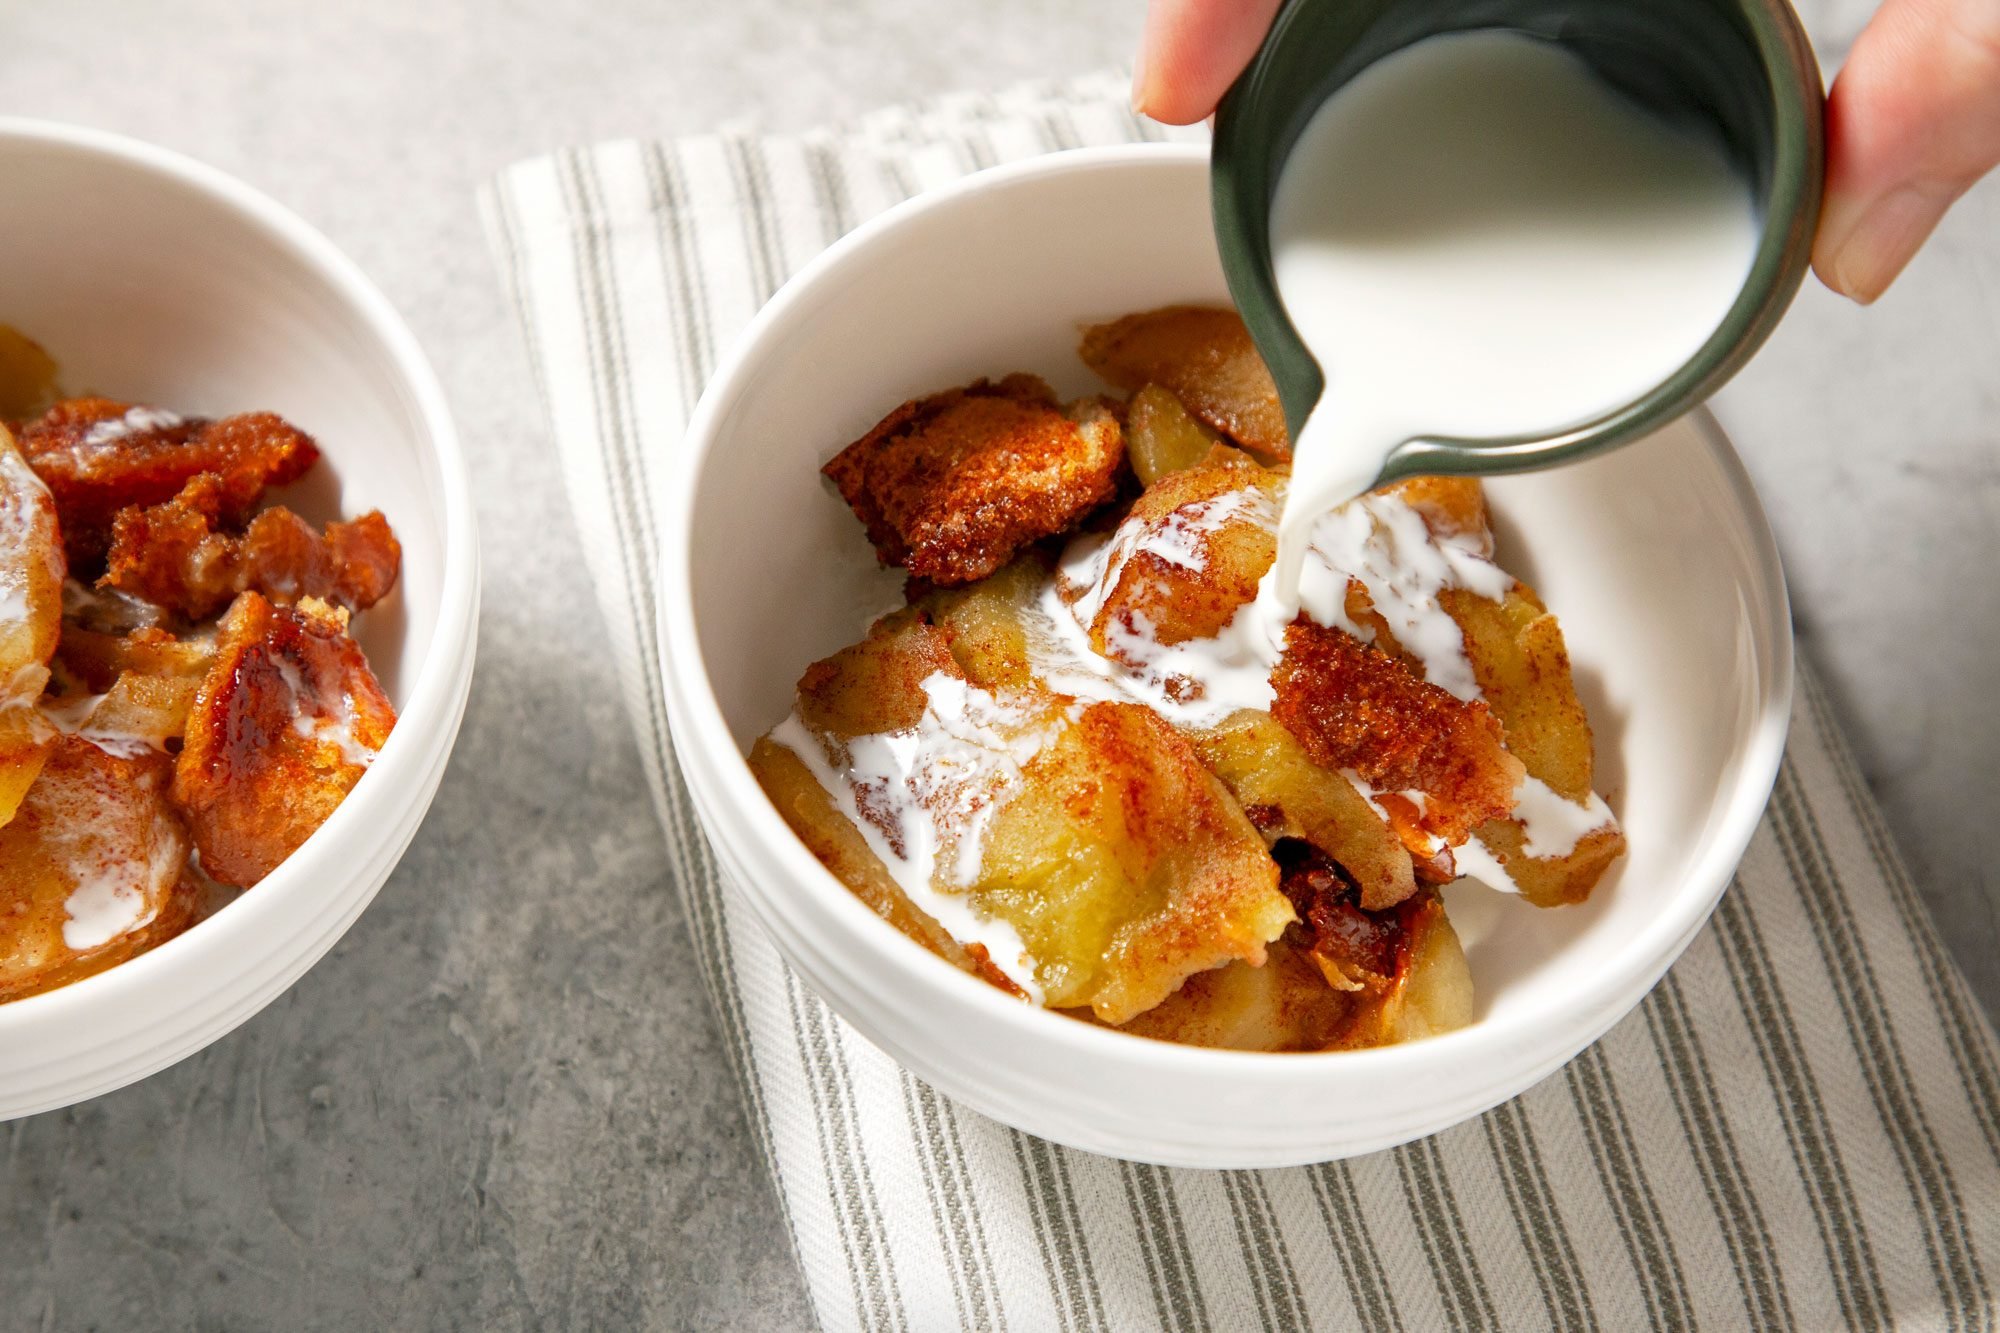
157,279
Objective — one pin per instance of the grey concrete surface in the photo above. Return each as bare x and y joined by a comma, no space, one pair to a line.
501,1102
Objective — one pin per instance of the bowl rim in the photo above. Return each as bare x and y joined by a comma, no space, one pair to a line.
709,754
426,726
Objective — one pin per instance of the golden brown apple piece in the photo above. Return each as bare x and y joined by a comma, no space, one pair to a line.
285,723
31,578
1188,555
1339,979
1287,795
92,868
27,376
1127,867
1123,865
1204,356
1522,665
1162,436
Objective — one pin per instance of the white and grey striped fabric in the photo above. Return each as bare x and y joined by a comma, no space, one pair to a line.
1801,1128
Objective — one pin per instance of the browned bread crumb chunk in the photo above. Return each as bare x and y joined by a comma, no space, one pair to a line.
180,555
98,456
1354,706
287,720
951,486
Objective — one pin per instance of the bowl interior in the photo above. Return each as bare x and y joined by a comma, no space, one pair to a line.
145,286
1656,558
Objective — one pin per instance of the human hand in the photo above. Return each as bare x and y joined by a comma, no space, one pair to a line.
1912,122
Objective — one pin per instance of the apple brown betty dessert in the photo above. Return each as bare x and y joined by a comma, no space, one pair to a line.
181,702
1094,761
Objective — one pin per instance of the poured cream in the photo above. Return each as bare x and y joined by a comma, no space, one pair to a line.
1554,824
1378,540
113,892
1473,860
77,716
335,728
1477,237
136,421
924,798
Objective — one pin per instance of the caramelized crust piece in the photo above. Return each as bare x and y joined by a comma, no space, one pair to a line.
1354,706
1204,355
1402,967
1356,949
172,555
284,725
91,868
951,486
99,456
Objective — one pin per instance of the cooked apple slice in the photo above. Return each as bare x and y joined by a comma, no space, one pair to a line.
1287,795
31,577
25,742
1184,561
1162,436
1341,978
1092,833
92,868
1517,650
27,376
1204,355
1127,867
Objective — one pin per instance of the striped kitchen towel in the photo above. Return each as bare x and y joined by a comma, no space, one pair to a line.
1800,1128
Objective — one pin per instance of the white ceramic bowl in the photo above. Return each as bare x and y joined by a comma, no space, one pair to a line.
153,277
1657,559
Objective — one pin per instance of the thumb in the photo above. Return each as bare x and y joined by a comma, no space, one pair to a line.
1912,122
1191,51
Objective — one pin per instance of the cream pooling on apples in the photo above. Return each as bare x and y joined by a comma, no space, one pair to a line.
924,797
1381,541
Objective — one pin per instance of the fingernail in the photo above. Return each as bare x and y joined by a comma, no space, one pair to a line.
1888,234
